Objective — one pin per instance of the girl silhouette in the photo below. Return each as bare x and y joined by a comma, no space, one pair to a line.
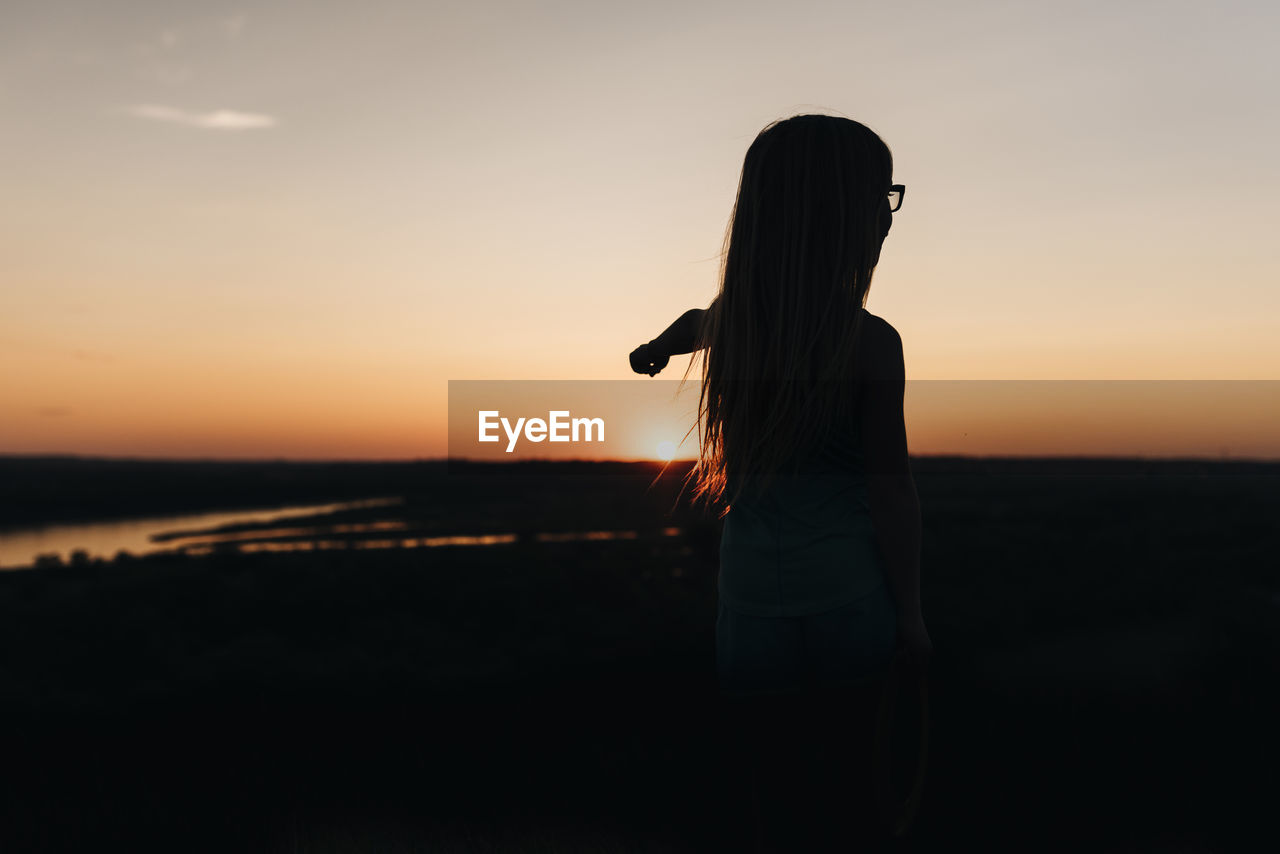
803,445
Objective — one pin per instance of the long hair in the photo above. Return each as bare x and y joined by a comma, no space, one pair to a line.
780,338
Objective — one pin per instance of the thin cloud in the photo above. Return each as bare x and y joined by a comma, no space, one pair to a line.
234,25
216,120
92,356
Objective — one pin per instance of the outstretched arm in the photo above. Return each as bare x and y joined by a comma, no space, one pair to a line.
683,336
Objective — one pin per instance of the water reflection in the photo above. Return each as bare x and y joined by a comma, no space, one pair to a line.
250,531
258,531
577,536
205,548
144,535
312,539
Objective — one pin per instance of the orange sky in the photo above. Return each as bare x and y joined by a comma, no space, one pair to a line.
280,230
1144,418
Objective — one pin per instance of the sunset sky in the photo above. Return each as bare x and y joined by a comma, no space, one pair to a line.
280,229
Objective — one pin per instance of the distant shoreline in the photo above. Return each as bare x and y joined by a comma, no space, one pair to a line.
50,489
8,458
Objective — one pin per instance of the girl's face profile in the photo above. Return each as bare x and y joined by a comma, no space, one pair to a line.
884,222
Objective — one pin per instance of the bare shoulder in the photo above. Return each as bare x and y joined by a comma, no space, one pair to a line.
880,347
879,331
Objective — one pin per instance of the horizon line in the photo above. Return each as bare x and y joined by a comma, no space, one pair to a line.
5,455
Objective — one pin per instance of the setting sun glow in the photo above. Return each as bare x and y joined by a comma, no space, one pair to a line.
666,450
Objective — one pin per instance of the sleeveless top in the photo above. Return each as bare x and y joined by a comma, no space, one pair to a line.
806,544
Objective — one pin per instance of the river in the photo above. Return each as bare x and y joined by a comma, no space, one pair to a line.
21,546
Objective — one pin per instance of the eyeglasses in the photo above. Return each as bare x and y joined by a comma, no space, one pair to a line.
896,192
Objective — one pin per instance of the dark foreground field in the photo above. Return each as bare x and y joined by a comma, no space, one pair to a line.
1106,672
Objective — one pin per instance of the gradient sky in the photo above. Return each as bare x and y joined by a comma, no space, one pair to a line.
279,229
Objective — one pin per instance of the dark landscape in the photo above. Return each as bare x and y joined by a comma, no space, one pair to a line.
522,658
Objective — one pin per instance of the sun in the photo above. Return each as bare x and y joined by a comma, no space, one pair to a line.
666,450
